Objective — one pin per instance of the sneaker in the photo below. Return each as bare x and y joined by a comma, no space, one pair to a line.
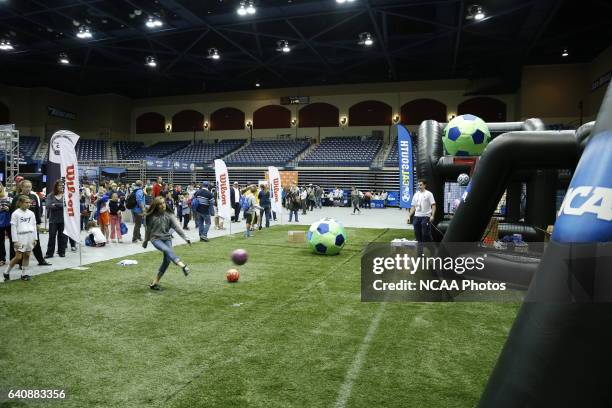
155,287
44,263
62,255
204,239
185,270
25,277
6,277
73,249
48,256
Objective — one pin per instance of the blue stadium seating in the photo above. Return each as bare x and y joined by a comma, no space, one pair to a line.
343,151
267,153
91,149
160,149
393,156
206,152
28,145
125,148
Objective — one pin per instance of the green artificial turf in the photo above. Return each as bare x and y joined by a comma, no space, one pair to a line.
286,335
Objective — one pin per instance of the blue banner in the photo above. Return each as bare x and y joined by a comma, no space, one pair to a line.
406,169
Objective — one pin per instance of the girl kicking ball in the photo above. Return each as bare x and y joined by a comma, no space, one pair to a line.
158,224
23,231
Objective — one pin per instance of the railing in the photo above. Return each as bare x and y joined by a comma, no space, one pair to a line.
128,164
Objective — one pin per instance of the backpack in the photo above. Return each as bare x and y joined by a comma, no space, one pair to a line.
245,203
200,204
130,201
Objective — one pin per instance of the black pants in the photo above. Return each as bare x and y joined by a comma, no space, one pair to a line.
236,208
356,207
137,223
36,251
57,230
84,221
265,210
4,232
186,218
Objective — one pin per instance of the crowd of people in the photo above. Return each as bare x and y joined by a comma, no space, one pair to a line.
105,206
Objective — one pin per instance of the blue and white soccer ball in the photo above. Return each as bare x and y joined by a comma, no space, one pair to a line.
326,237
463,179
466,135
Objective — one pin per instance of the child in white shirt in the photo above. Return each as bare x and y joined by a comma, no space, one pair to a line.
23,233
95,234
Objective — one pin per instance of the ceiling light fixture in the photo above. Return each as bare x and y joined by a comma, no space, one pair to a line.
344,1
213,53
5,45
84,33
565,53
251,8
366,39
242,11
63,59
151,61
283,46
153,22
475,12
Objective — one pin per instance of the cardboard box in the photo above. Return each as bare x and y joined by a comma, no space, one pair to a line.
297,236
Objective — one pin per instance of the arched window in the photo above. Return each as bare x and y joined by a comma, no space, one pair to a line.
370,113
227,119
271,117
415,112
150,122
487,109
187,121
5,114
319,114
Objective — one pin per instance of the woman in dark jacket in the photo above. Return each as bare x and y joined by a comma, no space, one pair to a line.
55,214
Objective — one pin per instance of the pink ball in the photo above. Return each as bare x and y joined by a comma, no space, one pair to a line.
240,256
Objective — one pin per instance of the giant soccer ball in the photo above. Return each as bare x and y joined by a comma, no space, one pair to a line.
466,135
326,237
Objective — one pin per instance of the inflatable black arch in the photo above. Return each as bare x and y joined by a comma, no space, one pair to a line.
520,152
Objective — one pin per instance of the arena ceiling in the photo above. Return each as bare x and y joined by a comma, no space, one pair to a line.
413,39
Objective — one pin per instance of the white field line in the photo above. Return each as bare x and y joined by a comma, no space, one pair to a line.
353,372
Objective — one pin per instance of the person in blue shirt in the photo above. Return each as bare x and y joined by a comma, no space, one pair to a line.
138,211
201,202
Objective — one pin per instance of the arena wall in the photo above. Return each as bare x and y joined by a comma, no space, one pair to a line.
551,92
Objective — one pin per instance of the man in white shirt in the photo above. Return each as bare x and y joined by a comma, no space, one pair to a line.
423,208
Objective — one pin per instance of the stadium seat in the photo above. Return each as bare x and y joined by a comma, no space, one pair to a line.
206,152
267,153
354,151
91,149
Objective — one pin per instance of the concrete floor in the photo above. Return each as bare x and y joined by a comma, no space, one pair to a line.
369,218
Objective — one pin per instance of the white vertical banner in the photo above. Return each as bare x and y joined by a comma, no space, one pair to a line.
275,189
224,206
62,151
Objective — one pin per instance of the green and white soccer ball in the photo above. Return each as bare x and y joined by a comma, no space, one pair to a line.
326,237
466,135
